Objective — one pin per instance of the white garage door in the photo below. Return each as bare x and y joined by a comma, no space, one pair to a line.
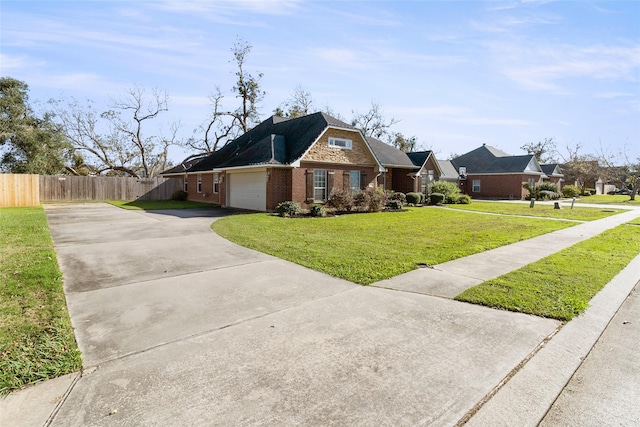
248,190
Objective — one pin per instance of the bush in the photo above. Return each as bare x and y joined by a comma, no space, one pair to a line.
289,209
179,195
318,211
549,195
464,199
361,200
547,186
591,191
377,201
413,198
570,191
436,198
450,190
423,198
394,204
401,197
341,201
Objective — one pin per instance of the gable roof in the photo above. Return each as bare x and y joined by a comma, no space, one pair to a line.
490,160
551,169
275,141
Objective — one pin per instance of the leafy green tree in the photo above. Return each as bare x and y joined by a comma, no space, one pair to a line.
29,143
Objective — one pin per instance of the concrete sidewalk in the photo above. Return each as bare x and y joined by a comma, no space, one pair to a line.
248,339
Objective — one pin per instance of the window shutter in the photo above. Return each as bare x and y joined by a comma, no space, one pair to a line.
330,175
309,185
346,181
363,180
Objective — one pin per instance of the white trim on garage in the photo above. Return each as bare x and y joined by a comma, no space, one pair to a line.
247,190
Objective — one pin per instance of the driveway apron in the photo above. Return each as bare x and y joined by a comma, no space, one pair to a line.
179,326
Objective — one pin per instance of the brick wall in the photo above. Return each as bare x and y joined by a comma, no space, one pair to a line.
499,186
279,187
401,182
206,194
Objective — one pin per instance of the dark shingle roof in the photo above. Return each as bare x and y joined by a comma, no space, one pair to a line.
549,169
419,157
487,159
390,156
276,140
183,167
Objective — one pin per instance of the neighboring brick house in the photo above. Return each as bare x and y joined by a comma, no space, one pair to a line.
405,172
552,173
304,159
487,172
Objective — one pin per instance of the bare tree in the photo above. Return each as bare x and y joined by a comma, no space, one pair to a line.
247,88
622,169
545,151
299,104
403,143
373,123
115,141
583,169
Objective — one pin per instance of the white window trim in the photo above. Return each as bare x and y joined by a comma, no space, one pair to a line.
199,184
185,185
319,188
354,186
216,183
342,143
473,186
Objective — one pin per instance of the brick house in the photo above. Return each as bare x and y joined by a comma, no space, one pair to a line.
303,159
553,174
487,172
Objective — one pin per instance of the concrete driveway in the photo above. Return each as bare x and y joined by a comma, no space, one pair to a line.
179,326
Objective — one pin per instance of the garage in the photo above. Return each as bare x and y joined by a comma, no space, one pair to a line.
248,190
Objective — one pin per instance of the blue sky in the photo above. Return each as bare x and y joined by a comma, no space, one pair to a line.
454,74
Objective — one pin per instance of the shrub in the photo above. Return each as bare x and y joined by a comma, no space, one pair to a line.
318,211
436,198
394,204
361,200
549,195
413,198
397,196
570,191
464,199
376,201
341,201
288,209
591,191
423,198
547,186
179,195
450,190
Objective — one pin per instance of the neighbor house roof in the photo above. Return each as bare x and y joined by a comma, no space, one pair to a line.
447,171
551,169
490,160
275,141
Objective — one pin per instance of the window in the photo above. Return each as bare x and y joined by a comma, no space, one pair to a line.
319,185
354,181
199,186
340,143
476,186
186,184
424,180
532,182
216,183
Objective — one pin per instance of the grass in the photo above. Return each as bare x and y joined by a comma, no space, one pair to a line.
36,337
561,285
539,210
609,199
154,205
365,248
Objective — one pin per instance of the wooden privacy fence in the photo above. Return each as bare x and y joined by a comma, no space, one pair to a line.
43,188
19,190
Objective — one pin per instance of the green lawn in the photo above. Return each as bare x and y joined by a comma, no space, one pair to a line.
606,199
561,285
539,210
151,205
365,248
36,338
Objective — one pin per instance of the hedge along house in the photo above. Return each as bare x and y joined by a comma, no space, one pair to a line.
487,172
303,159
